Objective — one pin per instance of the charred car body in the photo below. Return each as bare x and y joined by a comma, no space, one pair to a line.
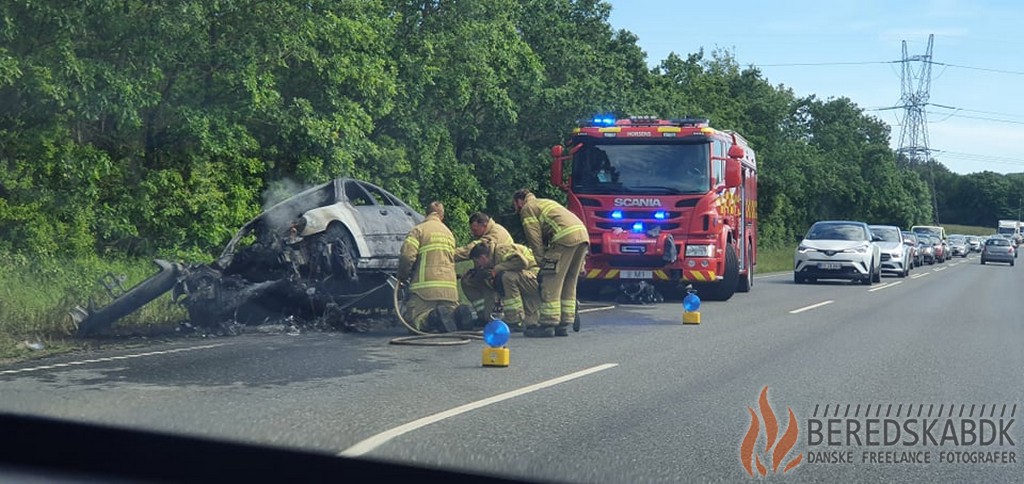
318,254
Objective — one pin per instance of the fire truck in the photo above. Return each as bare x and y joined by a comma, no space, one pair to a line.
667,202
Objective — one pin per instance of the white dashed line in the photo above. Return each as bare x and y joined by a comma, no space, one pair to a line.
106,359
368,445
602,308
812,306
886,286
915,276
937,269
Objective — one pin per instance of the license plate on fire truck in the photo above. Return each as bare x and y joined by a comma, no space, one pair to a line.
636,274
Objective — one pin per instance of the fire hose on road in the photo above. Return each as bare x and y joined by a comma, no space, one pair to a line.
421,338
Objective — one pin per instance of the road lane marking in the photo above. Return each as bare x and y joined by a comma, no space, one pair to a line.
937,269
107,359
602,308
368,445
915,276
886,286
812,306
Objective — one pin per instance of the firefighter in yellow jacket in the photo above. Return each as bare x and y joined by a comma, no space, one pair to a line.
475,283
427,267
514,273
559,241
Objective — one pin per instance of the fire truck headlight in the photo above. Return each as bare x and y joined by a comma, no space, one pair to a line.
638,227
700,250
617,214
660,215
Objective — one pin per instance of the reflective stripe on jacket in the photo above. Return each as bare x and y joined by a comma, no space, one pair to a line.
428,261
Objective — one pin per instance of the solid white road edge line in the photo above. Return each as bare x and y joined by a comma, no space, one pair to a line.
109,358
812,306
367,445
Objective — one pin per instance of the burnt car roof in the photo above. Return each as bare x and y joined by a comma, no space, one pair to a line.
280,215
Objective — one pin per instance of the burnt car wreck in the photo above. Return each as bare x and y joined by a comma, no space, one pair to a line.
317,255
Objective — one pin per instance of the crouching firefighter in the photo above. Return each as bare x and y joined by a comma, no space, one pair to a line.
427,268
514,278
476,283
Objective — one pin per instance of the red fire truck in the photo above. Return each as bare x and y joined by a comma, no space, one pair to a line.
668,202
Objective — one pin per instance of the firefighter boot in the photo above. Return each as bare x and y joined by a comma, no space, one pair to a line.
539,332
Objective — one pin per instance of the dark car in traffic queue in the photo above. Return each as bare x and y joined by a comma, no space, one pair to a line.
998,249
916,250
924,245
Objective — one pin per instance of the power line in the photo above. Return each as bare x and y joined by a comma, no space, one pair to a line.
982,118
861,63
984,69
977,158
805,64
976,111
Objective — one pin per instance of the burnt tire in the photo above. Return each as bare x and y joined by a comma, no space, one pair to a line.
724,289
343,253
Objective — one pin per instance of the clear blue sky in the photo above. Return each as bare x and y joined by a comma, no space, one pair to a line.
977,35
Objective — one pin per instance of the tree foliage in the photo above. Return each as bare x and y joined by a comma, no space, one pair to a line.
138,127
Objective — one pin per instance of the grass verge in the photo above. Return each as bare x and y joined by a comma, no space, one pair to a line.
36,296
777,259
968,230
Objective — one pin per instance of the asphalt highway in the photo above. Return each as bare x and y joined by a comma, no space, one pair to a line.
636,396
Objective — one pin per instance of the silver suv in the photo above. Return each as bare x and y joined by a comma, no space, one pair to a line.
838,249
897,257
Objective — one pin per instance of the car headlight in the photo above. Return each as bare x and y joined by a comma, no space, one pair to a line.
860,250
700,250
803,249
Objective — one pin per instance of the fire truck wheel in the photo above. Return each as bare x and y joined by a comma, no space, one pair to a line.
724,289
747,282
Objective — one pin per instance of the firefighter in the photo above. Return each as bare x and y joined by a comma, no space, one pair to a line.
559,242
512,271
427,268
475,282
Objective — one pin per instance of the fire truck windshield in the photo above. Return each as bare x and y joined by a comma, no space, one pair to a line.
642,169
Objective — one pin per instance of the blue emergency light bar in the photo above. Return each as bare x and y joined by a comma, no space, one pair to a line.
638,227
617,214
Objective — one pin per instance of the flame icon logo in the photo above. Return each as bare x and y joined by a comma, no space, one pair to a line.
774,450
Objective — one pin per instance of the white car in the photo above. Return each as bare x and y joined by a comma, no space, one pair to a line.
838,249
897,257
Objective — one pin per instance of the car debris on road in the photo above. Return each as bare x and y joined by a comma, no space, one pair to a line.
318,255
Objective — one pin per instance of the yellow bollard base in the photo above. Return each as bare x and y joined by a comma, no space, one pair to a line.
691,317
496,357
